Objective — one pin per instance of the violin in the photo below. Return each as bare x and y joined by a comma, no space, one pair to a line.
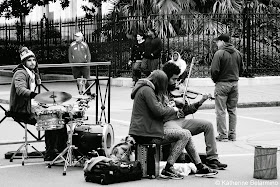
185,92
191,94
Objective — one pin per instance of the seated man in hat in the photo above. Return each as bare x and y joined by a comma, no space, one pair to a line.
23,85
78,52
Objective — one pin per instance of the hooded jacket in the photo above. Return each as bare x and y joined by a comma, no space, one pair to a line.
227,64
179,62
78,52
20,101
147,113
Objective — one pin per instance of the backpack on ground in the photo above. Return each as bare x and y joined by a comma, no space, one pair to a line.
103,170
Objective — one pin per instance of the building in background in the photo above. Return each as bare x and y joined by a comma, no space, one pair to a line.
53,11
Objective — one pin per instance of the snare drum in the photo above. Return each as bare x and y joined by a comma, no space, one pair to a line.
49,118
89,137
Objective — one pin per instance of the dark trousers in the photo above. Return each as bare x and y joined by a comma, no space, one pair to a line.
149,65
136,70
56,141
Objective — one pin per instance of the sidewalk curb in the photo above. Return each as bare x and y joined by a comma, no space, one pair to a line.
207,82
127,82
212,106
245,105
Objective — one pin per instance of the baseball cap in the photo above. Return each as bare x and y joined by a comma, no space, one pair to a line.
223,37
79,34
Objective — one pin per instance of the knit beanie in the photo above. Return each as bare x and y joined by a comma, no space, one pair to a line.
25,53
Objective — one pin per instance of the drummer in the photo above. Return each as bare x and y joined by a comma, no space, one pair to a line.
25,79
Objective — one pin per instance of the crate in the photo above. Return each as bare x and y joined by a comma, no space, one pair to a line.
149,157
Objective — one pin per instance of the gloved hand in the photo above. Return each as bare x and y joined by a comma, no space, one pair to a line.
32,95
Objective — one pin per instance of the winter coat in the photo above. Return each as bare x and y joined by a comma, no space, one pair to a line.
78,52
20,101
153,47
227,64
137,52
148,112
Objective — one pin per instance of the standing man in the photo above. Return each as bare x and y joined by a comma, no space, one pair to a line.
78,52
153,47
226,67
195,126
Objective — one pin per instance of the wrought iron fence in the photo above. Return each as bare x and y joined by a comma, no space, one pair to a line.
110,39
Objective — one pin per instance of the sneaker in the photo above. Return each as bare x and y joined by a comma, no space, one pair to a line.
171,173
221,139
205,171
232,138
215,164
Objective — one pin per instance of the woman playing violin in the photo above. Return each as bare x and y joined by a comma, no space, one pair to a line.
195,126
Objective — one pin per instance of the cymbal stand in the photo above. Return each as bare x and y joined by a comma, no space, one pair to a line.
68,151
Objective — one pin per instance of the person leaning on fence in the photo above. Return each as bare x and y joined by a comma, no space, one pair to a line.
23,85
176,59
153,48
136,58
226,67
146,124
79,52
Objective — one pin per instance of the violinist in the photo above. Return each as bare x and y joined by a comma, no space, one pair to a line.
195,126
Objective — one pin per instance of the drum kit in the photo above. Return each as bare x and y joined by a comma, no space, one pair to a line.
53,111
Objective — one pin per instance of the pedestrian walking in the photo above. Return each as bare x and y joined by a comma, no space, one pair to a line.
136,58
226,67
78,52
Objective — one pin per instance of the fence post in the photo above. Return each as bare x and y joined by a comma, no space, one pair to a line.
247,24
114,21
30,34
6,32
43,36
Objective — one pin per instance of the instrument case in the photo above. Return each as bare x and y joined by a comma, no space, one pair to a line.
113,172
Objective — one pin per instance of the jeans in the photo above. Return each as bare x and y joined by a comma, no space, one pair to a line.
136,70
197,126
83,71
149,65
226,98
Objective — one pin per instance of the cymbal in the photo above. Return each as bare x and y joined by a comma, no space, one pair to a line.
52,97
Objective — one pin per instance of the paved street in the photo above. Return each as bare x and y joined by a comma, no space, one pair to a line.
256,126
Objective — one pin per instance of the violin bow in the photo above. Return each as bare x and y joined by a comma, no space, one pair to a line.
187,82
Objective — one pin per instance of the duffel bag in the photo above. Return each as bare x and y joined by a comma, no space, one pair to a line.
104,171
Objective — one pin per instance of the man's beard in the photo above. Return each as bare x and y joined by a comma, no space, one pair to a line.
171,87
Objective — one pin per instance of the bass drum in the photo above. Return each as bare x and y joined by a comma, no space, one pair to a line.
98,137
